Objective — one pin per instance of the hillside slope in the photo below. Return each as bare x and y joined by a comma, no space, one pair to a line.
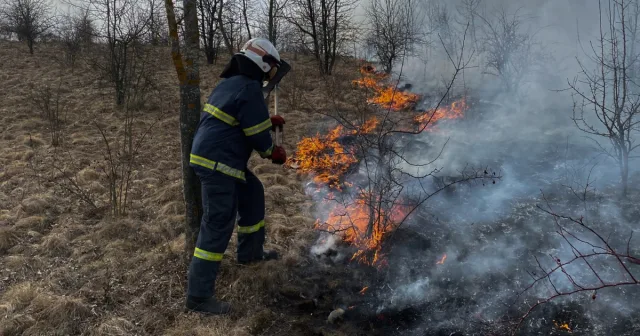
70,269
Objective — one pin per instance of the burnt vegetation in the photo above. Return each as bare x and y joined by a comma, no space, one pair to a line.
449,172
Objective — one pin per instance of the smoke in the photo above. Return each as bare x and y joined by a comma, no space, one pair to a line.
492,234
496,236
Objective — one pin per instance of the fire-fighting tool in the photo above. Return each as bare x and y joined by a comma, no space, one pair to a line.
272,85
279,130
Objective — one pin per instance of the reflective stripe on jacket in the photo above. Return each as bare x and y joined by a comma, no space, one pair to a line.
234,122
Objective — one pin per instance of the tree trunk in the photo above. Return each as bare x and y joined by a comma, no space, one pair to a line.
189,118
189,79
246,18
624,173
210,53
30,43
271,26
227,40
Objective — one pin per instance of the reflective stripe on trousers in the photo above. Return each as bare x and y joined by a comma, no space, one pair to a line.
222,197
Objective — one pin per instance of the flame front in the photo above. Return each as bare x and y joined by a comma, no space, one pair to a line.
563,326
325,157
454,111
363,291
362,223
385,96
362,226
441,262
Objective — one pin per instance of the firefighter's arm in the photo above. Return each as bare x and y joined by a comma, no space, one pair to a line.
254,120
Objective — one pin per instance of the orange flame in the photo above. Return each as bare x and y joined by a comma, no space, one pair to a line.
563,326
363,228
362,223
454,111
390,97
364,290
386,96
326,156
441,262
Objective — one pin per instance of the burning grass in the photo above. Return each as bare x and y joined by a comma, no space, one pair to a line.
329,159
326,157
385,95
362,226
455,110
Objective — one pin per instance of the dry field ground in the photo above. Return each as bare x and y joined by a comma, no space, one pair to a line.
66,269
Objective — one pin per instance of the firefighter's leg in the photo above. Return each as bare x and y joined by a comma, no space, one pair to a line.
219,200
251,209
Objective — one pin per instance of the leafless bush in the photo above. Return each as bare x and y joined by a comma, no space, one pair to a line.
511,49
29,20
5,29
395,28
120,160
76,33
123,59
292,89
47,101
591,250
60,169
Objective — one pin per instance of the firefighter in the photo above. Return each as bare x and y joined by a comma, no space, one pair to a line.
234,122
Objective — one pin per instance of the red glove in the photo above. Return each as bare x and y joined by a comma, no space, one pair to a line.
278,155
277,121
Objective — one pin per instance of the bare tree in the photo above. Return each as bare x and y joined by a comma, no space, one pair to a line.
157,31
28,19
325,25
246,4
275,10
511,50
230,27
467,11
395,27
123,59
189,78
607,98
209,32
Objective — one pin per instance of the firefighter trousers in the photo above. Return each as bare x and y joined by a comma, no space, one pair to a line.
223,198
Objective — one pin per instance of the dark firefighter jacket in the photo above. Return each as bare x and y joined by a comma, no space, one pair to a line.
234,121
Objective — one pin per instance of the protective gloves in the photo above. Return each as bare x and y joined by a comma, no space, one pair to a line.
277,122
278,155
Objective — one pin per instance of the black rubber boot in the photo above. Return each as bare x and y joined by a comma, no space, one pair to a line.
269,255
209,306
266,255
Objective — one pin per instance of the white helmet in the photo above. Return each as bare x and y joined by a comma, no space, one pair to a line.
262,52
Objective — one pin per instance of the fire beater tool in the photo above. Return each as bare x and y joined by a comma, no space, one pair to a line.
272,85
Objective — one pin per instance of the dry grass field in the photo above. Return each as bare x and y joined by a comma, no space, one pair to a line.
69,269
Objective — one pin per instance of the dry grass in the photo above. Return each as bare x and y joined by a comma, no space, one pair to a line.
8,238
68,269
